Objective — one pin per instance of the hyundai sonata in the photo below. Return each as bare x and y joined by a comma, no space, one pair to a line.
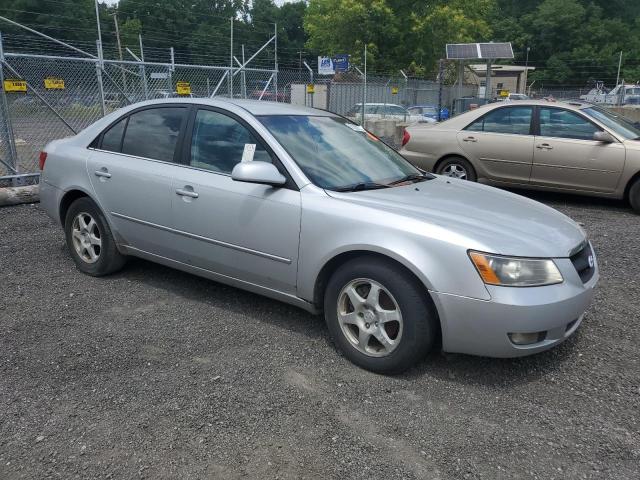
305,207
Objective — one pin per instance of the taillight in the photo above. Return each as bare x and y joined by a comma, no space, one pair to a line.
43,158
405,137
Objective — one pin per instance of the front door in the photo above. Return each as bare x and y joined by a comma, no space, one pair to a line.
501,144
246,231
567,157
131,170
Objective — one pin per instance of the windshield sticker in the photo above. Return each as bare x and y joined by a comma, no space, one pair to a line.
249,152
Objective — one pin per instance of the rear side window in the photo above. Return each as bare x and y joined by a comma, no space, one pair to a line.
112,138
514,120
154,133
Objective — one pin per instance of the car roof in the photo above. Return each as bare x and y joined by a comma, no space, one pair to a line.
570,104
254,107
381,103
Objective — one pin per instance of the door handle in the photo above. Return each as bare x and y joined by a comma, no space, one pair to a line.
103,172
544,146
470,139
186,193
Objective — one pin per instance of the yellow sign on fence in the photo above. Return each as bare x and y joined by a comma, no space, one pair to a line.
52,83
311,88
15,85
183,88
394,90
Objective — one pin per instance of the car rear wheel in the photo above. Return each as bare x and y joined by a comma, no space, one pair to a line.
457,167
90,241
634,196
379,315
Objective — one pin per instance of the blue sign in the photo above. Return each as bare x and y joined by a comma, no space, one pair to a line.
341,62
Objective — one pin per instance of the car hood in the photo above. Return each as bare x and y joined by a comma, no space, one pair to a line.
476,215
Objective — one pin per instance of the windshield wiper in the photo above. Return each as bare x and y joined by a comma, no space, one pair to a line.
411,177
360,186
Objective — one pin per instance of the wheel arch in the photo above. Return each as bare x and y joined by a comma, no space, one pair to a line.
635,178
68,198
332,264
451,155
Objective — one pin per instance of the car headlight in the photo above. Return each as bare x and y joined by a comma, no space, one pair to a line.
515,271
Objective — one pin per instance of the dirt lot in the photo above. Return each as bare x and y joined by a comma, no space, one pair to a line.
153,373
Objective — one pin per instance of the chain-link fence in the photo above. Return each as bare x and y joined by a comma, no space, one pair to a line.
46,97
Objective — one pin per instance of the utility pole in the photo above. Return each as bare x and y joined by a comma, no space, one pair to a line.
115,20
98,22
526,71
231,62
619,65
364,86
275,57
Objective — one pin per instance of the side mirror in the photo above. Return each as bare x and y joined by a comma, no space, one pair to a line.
258,172
604,137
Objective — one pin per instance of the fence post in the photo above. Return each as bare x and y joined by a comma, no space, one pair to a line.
143,72
99,65
440,83
5,125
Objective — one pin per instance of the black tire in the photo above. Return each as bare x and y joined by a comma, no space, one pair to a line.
419,318
108,258
634,196
463,165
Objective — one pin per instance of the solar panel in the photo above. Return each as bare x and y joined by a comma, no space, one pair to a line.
496,50
459,51
473,51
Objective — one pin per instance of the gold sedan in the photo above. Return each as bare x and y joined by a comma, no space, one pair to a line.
565,147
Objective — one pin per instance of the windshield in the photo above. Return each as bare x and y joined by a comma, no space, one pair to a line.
632,91
617,123
335,154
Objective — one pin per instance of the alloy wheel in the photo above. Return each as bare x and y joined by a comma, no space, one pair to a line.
455,170
369,317
86,237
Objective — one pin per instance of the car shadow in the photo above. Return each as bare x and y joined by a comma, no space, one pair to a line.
495,372
459,368
555,199
217,295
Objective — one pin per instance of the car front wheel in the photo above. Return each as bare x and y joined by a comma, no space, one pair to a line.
457,167
89,239
379,315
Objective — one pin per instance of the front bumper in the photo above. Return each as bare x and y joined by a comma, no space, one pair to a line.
481,327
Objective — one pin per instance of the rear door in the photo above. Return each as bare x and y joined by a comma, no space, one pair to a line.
501,142
131,169
242,230
567,157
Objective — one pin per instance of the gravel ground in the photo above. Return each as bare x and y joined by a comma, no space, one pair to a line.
153,373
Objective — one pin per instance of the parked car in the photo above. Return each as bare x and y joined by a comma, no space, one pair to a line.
305,207
374,111
565,147
620,95
514,97
429,112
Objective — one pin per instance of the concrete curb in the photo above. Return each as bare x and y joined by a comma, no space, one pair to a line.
17,195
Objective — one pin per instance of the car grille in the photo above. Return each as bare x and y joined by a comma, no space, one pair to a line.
583,266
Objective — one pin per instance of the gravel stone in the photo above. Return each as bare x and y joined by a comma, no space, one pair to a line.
154,373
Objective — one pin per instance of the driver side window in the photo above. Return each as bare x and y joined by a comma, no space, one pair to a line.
559,123
218,142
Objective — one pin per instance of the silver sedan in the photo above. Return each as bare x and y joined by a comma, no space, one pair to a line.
305,207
